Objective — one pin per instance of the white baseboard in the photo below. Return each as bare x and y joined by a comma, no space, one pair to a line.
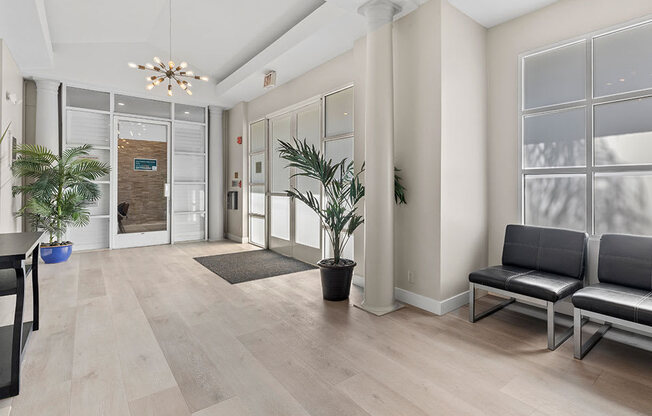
237,238
438,307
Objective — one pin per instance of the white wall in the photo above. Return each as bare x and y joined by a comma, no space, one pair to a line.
10,81
236,119
417,144
463,150
555,23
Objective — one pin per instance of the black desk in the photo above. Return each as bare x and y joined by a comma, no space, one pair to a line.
15,248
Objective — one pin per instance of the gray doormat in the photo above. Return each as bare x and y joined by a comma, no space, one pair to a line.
252,265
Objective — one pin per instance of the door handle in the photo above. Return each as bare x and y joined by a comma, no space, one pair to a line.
166,190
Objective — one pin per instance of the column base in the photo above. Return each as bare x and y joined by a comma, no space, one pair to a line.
380,311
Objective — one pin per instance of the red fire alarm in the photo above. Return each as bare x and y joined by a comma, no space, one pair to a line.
239,139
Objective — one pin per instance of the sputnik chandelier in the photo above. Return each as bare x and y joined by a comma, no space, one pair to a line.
171,72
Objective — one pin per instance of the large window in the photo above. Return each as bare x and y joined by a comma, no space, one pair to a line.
586,133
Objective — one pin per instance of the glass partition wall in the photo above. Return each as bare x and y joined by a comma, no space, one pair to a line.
586,133
156,192
277,221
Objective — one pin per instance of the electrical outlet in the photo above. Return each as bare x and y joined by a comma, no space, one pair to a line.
410,277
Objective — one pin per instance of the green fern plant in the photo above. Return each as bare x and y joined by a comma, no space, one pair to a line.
58,188
342,190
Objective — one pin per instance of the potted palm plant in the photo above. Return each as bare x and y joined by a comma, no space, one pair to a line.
57,191
338,213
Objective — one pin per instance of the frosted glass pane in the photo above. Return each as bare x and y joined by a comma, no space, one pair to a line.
84,127
555,77
93,100
257,139
133,130
555,139
257,199
306,225
188,198
339,113
100,206
95,235
189,227
280,217
189,113
347,253
556,201
623,61
188,168
189,138
623,132
142,106
257,168
257,230
308,129
279,130
336,150
623,203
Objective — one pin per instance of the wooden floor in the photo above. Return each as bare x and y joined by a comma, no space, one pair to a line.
149,331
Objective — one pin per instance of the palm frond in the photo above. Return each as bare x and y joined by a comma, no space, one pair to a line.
342,187
58,189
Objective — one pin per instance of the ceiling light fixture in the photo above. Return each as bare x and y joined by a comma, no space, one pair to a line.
170,71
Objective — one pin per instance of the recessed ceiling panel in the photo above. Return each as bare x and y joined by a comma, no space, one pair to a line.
95,21
494,12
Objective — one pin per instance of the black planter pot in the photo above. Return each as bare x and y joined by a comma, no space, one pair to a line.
336,279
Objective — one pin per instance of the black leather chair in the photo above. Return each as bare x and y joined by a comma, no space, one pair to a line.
540,265
624,294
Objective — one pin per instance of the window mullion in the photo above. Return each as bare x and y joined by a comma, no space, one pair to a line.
590,223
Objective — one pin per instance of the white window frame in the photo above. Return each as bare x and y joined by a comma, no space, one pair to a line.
110,244
589,104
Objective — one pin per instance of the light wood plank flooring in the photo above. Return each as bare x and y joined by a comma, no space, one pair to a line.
149,331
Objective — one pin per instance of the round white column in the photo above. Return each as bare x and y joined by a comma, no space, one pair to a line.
379,159
47,114
216,194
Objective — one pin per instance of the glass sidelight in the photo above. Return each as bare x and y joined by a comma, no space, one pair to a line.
143,190
294,230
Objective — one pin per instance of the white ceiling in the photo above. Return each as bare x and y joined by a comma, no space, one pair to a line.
89,42
490,13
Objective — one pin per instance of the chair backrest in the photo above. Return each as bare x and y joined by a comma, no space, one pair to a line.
626,260
549,250
123,208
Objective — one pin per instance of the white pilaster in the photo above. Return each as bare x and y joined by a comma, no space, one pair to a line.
47,114
216,194
379,159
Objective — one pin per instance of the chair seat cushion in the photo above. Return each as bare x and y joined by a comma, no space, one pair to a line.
545,286
630,304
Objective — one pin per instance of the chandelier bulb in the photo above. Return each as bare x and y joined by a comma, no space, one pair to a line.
171,64
149,66
132,65
170,90
149,86
189,73
188,91
157,59
183,64
204,78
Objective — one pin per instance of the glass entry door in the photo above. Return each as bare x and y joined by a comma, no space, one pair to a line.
294,230
141,208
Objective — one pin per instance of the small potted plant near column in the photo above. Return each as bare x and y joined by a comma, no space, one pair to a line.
57,190
338,214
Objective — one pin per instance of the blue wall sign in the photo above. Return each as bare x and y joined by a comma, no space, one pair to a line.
145,164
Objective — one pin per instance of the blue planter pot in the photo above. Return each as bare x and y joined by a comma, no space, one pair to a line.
56,254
